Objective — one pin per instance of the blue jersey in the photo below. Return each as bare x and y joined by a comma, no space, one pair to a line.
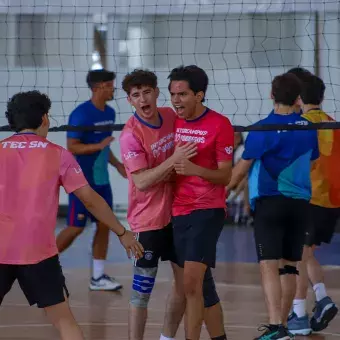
282,159
94,166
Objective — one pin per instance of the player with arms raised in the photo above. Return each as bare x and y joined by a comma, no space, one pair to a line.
93,153
199,195
32,169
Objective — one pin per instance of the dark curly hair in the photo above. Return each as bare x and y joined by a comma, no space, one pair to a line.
138,78
25,110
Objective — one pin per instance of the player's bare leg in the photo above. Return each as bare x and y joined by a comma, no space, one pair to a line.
288,288
299,303
175,309
67,236
325,309
193,283
137,322
100,245
175,305
214,321
272,289
63,320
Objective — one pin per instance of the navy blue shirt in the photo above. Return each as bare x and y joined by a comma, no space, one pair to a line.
94,166
282,159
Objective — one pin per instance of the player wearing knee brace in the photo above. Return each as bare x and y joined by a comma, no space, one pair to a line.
325,211
280,189
147,150
199,193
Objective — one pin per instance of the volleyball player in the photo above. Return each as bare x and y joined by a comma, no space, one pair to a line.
325,210
147,147
147,150
280,189
92,151
31,172
301,73
199,195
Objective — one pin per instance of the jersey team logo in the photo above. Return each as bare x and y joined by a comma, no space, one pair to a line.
229,150
148,255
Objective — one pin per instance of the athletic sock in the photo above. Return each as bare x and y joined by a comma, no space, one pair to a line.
98,268
320,291
165,338
299,307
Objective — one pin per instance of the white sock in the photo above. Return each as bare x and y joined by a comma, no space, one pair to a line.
98,268
165,338
320,291
299,307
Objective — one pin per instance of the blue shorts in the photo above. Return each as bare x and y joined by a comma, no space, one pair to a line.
77,213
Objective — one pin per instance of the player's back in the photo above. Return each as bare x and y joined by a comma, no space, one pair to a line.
325,173
282,158
31,172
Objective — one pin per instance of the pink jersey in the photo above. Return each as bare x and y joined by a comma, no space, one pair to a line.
145,147
214,136
32,169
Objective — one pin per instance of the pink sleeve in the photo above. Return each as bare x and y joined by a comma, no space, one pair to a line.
71,175
225,141
132,152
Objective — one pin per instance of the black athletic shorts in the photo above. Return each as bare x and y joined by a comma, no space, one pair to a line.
43,283
196,235
280,227
323,223
157,244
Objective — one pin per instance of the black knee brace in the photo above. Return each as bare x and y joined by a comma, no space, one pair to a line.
282,271
291,270
209,290
287,269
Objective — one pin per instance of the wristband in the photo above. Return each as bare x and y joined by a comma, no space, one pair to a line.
122,234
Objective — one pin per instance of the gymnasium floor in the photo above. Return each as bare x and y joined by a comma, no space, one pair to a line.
103,315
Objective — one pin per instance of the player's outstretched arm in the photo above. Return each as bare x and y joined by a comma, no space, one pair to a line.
97,206
78,148
146,178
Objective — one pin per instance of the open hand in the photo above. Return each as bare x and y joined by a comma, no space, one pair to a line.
184,151
131,245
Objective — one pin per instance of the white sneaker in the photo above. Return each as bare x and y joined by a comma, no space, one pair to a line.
105,282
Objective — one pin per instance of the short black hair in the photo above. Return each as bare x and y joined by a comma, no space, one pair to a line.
301,72
313,90
138,78
99,76
194,75
286,88
25,110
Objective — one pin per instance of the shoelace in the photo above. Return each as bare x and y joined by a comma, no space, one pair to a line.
267,328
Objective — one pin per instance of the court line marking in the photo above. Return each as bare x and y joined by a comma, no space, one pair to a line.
151,324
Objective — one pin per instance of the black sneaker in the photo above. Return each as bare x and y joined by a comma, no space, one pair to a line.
273,332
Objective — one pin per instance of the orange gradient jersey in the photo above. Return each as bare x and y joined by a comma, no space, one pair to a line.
325,174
